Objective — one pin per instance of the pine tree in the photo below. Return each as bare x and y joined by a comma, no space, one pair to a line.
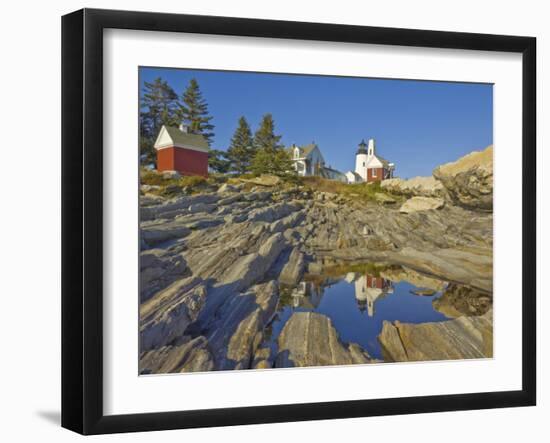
278,163
241,150
158,107
194,111
265,137
270,157
218,162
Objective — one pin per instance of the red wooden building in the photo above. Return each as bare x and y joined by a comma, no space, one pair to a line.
179,151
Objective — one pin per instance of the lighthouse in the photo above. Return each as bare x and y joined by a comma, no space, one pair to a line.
370,166
361,159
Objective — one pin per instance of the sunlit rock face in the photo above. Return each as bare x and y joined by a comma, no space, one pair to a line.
458,339
415,187
469,180
217,262
310,339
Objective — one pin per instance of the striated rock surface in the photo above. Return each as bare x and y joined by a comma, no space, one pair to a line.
158,269
414,187
167,315
192,355
211,264
236,334
310,339
461,338
294,268
469,180
416,204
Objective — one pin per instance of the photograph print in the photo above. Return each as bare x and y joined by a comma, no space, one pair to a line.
292,221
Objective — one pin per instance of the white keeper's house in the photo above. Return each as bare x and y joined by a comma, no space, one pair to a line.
308,161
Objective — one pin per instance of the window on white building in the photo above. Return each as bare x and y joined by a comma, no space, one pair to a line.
374,172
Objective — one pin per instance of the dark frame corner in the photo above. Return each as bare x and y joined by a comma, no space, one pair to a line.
82,156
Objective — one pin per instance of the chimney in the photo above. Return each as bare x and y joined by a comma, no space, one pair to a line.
184,128
371,146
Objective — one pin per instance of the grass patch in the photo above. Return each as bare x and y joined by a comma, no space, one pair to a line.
355,191
169,186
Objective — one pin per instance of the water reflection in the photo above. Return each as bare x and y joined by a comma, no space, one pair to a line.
358,299
368,289
307,295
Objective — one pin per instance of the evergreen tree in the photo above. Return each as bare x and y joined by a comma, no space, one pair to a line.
218,162
194,111
158,107
274,163
241,150
270,157
265,137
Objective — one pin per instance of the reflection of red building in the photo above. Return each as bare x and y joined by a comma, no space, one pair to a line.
368,289
179,151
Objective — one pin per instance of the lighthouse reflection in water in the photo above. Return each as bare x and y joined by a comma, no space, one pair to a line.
357,303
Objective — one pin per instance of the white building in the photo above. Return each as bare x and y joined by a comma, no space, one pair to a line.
307,159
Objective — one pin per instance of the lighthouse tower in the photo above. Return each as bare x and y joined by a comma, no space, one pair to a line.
361,160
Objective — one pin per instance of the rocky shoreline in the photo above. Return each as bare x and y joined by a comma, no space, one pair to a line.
212,264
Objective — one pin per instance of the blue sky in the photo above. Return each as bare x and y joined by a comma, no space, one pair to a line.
418,125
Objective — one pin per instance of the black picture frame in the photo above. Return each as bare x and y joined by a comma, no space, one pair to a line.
82,218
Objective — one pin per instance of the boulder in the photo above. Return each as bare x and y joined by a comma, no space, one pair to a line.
416,204
458,339
414,187
469,180
458,300
310,339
